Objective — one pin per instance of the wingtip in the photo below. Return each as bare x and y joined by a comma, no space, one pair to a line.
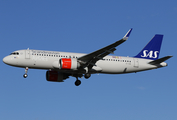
170,56
127,34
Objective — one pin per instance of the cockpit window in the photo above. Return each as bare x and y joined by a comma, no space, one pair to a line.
15,53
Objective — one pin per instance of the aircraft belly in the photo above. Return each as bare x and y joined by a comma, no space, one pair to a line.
43,64
113,67
37,64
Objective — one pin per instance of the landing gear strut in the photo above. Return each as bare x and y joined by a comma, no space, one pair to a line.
78,82
26,71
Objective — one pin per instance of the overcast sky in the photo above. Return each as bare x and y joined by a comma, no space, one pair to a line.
85,26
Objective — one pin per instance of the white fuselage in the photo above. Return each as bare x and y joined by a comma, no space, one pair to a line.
40,59
62,65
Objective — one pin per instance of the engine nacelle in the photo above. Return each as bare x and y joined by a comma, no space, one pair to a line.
55,76
69,64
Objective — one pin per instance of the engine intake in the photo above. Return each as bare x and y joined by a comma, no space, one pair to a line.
68,63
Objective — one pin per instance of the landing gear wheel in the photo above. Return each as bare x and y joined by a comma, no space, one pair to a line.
87,75
25,75
78,82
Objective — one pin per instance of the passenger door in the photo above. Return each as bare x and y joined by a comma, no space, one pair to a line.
27,54
136,63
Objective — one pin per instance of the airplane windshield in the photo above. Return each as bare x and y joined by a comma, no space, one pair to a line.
14,53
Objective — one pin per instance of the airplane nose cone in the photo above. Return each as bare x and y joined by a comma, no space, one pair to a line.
5,60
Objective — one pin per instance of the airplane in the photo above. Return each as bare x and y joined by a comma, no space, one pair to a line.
61,65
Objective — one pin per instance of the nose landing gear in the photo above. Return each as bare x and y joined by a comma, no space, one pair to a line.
26,71
25,75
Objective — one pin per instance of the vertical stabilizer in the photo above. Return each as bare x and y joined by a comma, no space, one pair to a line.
152,49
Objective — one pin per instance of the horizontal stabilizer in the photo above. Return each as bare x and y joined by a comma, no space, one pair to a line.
158,61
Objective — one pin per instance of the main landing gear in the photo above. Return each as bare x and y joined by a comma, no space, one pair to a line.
87,75
26,71
78,82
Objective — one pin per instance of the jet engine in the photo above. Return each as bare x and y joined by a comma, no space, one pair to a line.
55,76
69,64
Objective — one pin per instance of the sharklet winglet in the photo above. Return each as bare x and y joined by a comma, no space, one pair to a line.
127,34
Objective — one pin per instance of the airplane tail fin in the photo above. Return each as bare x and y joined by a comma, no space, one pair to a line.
152,49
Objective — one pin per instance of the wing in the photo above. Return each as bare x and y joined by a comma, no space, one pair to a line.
89,60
